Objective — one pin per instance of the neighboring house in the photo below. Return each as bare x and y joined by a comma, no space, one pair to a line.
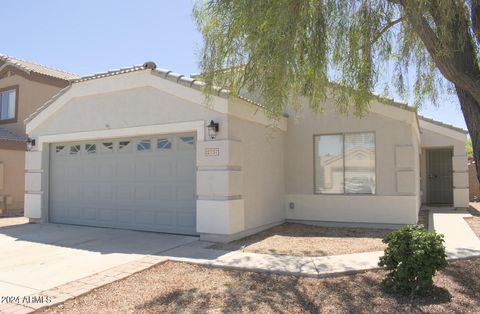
24,86
473,180
132,149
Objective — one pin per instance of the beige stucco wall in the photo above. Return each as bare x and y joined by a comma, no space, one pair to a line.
257,170
237,187
33,92
434,136
13,169
263,171
127,108
397,129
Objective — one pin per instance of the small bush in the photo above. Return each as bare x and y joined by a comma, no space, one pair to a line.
412,257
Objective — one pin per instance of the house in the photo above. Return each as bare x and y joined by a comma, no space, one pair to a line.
139,148
23,87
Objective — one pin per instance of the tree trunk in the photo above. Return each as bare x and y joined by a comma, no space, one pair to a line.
471,112
460,67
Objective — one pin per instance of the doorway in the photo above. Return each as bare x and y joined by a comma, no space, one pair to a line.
439,176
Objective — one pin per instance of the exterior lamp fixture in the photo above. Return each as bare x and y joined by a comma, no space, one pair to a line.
212,129
30,143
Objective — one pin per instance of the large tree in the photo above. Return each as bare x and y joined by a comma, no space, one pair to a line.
284,49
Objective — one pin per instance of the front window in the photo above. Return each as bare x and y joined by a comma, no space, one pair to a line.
345,163
8,103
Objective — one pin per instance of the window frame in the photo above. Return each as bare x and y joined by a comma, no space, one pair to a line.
343,143
16,89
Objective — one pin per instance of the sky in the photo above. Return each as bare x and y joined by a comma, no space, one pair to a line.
87,37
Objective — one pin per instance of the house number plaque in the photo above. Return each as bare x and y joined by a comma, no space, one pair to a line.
210,152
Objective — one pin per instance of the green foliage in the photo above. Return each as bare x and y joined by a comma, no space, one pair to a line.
283,50
412,257
469,148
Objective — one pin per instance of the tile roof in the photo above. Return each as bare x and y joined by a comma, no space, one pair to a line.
108,73
195,82
445,125
164,73
10,136
28,67
147,66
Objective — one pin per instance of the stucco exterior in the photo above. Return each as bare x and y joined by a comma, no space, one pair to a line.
13,166
254,173
33,90
264,171
434,136
236,192
390,204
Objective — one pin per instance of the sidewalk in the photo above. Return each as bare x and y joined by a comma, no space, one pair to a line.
460,242
197,253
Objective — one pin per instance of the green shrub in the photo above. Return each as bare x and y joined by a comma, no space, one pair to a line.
412,257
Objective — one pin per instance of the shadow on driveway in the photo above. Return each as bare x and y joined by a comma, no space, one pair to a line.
101,240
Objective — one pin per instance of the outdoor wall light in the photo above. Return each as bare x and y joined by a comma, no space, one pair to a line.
30,143
212,129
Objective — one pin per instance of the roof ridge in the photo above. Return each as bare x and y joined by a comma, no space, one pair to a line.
196,82
440,123
110,72
13,60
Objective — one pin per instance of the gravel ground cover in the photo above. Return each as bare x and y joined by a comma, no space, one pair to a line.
306,240
175,287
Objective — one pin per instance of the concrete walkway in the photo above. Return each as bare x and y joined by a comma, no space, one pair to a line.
37,257
460,242
198,253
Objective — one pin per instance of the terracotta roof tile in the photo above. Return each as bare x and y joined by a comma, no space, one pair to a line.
195,82
445,125
28,66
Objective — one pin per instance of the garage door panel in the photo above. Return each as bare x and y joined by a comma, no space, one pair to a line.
144,217
163,168
185,192
146,183
91,191
163,193
108,215
106,192
75,191
123,192
105,169
165,218
142,194
90,213
186,220
123,171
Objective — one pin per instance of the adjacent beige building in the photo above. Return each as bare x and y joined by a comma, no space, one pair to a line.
24,86
140,148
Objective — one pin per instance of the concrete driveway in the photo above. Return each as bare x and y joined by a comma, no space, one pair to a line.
36,257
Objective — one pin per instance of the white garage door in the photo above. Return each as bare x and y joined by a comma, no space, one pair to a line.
146,183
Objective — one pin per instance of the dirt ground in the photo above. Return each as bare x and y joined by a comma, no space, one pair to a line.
306,240
175,287
474,221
